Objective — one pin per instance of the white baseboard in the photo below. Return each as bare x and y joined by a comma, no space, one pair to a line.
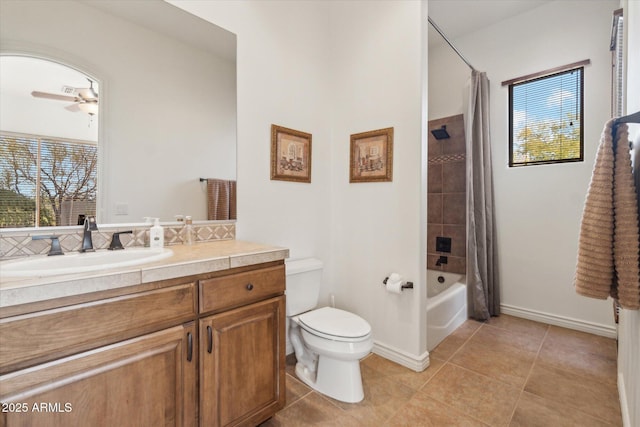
410,361
563,321
624,403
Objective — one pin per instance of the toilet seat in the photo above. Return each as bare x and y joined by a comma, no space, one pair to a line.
335,324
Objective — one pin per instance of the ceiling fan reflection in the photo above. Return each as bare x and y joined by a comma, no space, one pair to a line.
83,99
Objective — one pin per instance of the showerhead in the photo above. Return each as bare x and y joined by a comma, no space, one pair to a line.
440,133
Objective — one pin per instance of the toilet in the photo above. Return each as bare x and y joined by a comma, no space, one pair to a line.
328,342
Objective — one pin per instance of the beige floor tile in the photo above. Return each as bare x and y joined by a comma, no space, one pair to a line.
499,338
312,410
382,397
425,411
447,348
490,353
453,342
376,366
517,324
473,394
595,398
295,389
580,353
582,341
476,378
468,328
382,367
534,411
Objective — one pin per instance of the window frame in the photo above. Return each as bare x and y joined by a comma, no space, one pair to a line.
578,66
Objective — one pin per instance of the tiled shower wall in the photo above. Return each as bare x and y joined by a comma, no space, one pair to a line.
446,187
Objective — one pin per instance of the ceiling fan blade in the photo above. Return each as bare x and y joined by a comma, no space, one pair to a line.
57,97
74,108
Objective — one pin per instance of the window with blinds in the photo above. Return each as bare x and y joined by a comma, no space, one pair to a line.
46,181
545,119
617,62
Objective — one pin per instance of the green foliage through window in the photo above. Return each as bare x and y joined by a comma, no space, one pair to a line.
545,119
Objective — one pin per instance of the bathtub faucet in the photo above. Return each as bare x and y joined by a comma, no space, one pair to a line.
442,260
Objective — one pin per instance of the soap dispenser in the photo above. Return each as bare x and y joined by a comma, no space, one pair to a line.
156,234
189,235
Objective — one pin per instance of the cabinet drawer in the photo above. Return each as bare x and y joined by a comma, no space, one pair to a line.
42,336
242,288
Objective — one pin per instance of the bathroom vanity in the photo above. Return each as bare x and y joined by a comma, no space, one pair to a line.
195,339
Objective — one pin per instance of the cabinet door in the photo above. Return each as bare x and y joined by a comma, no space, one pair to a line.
145,381
242,364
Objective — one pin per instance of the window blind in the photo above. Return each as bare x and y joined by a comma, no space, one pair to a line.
545,119
46,181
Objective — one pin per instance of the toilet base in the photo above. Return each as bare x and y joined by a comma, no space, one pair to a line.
339,379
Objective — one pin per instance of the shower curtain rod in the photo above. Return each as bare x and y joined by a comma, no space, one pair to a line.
435,27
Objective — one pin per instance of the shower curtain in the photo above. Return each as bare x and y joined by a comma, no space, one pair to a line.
483,292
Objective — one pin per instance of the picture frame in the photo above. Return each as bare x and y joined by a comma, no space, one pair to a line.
290,154
371,157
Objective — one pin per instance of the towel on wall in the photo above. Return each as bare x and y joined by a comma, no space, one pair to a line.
221,199
609,245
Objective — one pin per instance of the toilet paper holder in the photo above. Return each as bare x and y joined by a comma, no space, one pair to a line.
406,285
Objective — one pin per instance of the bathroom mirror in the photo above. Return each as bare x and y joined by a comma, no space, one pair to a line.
167,114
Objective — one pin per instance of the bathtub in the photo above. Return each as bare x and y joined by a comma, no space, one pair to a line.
446,305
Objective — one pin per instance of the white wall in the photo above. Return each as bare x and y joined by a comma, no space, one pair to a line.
282,75
448,81
167,109
376,227
538,208
333,69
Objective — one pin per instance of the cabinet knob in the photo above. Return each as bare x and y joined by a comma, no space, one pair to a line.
249,286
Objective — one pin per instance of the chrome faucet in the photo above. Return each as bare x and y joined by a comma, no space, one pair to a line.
89,226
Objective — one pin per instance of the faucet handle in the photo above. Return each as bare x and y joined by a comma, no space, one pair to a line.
116,244
90,223
56,249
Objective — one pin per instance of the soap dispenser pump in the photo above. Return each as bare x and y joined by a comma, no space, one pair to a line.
156,234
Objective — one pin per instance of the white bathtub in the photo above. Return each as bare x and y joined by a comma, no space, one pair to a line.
446,305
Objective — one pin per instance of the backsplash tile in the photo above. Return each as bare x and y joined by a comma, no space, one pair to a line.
18,243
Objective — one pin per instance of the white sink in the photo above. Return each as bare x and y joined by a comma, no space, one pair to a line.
76,262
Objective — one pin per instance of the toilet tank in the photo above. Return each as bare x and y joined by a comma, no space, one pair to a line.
304,277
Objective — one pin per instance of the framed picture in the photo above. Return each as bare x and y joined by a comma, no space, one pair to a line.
372,156
290,154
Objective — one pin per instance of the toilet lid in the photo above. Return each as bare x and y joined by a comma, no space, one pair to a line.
334,323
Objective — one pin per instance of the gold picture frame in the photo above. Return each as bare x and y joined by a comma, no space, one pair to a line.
372,156
290,154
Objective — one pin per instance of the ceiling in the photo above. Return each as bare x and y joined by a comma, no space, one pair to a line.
458,18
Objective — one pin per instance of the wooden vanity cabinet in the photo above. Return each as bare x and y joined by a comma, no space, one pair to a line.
209,350
145,381
242,350
242,365
33,338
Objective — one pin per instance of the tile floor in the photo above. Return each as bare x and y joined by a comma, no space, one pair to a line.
505,372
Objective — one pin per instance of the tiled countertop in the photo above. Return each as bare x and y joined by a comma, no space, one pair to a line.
186,261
